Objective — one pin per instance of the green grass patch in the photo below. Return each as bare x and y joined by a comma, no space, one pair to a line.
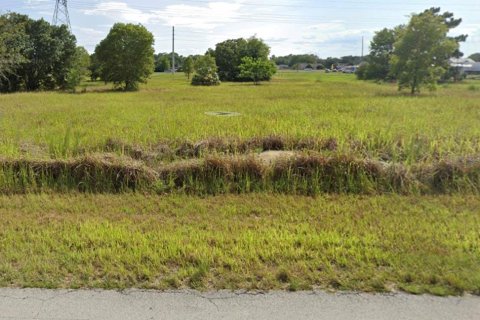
380,243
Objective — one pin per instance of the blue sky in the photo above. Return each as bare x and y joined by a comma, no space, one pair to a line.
326,28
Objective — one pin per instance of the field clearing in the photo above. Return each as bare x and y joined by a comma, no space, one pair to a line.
259,241
294,105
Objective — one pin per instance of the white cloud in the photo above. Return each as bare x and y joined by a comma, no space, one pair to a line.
210,16
120,11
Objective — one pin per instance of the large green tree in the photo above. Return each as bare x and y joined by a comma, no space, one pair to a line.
229,54
45,53
126,55
422,51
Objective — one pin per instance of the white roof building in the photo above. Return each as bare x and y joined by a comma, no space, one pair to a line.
467,65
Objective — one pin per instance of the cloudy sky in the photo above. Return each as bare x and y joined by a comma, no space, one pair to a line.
323,27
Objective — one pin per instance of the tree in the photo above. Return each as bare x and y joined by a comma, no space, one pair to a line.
475,57
257,69
229,55
94,67
205,72
12,42
126,55
163,61
45,54
163,64
451,23
188,67
421,54
79,70
377,64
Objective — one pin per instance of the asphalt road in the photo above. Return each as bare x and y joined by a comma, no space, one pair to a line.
139,305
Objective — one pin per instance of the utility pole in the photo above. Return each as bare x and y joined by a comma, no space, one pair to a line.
173,50
362,48
60,15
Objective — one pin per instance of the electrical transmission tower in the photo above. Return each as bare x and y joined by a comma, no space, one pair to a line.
60,16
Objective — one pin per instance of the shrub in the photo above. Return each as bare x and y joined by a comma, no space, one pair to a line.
205,72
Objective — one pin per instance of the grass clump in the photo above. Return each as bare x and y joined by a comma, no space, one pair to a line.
101,173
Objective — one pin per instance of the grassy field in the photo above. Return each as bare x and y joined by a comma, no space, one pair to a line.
380,190
310,105
416,244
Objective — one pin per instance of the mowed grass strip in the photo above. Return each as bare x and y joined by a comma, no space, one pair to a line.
258,241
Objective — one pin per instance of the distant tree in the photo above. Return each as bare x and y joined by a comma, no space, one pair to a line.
257,69
210,52
229,55
361,71
205,72
421,54
79,69
291,59
377,64
350,60
475,57
163,61
163,64
188,67
94,67
126,55
331,63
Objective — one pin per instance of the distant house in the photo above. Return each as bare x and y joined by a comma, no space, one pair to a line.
466,65
283,67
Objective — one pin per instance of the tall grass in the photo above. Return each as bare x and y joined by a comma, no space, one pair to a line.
306,174
169,111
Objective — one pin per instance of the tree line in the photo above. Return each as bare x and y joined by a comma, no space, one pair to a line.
294,60
35,55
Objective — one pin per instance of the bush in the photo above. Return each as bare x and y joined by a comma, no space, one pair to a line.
206,72
208,80
257,69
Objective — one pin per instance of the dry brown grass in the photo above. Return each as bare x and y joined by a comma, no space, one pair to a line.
299,173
